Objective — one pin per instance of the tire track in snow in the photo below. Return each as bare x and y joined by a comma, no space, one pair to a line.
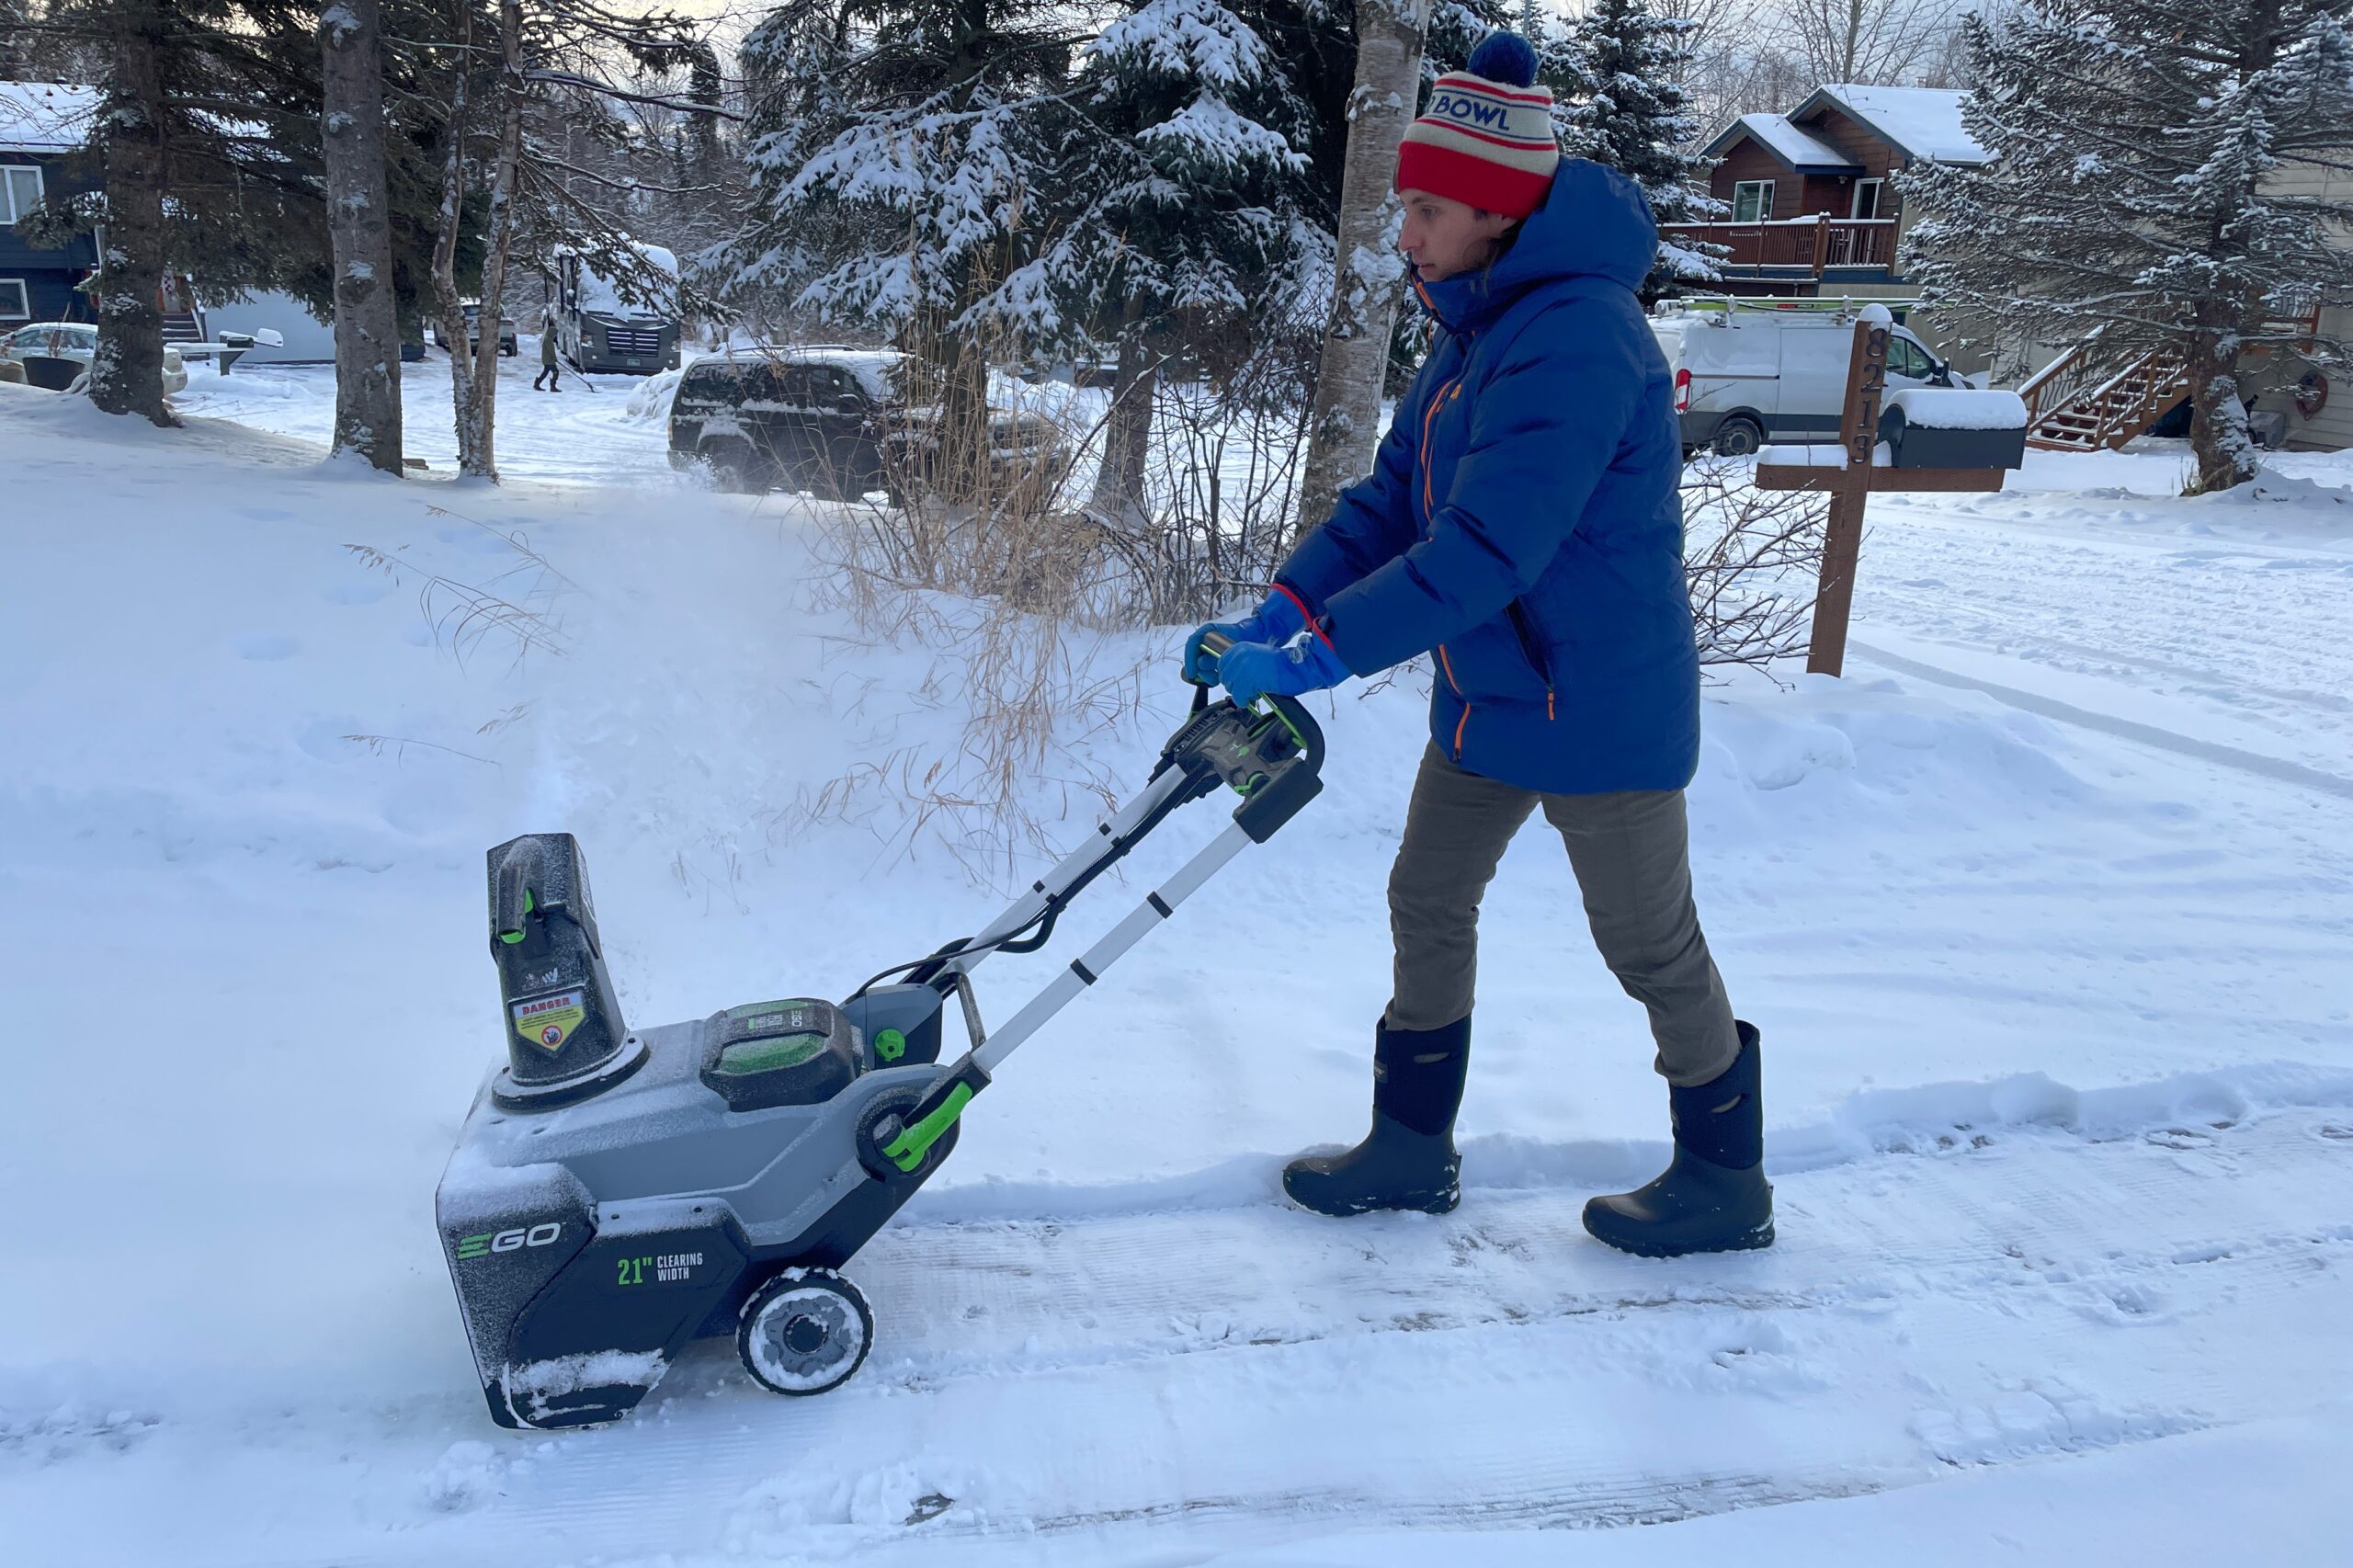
1955,1298
2262,766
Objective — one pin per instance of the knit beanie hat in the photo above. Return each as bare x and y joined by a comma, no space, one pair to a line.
1487,137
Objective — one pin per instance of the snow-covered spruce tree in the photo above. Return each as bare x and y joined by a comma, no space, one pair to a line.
1562,63
1634,115
2146,182
1192,225
207,138
905,155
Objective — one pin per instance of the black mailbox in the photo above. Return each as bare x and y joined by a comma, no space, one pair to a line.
1927,427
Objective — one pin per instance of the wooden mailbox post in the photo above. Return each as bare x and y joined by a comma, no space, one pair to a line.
1850,485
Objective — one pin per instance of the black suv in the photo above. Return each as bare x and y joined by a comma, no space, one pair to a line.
835,422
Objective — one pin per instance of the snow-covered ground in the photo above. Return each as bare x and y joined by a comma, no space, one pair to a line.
602,429
2044,911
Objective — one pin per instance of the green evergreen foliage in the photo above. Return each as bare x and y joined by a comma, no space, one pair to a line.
2157,180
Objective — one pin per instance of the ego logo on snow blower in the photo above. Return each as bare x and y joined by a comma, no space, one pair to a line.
508,1241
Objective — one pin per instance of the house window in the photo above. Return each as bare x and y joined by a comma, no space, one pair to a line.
1869,196
14,306
1751,202
19,191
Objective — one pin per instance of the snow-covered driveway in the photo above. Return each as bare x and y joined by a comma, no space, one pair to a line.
2046,926
2199,626
605,429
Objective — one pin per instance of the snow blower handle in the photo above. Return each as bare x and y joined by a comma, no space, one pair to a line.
1270,754
1295,719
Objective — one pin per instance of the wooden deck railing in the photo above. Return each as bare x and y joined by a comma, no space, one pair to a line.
1801,245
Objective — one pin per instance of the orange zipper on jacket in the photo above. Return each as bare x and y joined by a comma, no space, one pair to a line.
1448,666
1452,388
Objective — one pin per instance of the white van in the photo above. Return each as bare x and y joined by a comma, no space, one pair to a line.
1749,372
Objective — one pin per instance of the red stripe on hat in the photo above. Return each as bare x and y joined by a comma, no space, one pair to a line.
1467,83
1465,177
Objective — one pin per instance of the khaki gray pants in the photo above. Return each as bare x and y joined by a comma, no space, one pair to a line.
1630,852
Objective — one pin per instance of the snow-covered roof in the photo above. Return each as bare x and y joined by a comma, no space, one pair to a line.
1800,149
1922,121
45,117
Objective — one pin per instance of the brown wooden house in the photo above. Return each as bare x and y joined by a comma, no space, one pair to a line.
1812,198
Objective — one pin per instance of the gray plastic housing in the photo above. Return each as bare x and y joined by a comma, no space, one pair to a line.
645,1152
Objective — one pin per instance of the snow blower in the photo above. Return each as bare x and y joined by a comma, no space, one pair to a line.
617,1193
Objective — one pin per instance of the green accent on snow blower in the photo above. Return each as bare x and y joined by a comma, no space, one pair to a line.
768,1055
907,1150
511,937
889,1045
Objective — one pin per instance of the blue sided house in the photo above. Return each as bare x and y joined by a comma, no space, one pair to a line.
43,126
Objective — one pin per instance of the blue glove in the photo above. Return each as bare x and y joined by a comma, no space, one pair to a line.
1276,621
1251,670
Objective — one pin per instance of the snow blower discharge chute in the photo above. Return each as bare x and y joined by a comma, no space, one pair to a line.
617,1193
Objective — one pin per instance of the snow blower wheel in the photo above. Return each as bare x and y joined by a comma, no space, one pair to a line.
618,1190
806,1331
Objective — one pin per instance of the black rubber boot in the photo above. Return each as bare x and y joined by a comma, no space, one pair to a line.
1714,1196
1407,1160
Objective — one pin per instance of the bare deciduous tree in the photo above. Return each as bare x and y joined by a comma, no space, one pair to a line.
1880,41
367,328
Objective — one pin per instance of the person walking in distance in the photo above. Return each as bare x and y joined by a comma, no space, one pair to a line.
551,371
1523,526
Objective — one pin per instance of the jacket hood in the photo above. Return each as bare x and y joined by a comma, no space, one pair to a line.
1594,223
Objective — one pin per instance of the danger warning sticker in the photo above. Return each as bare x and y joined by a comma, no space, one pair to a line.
549,1021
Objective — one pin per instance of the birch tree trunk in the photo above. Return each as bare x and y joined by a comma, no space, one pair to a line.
1390,34
477,454
449,316
367,325
127,372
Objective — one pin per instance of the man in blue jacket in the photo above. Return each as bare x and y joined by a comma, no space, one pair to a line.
1522,524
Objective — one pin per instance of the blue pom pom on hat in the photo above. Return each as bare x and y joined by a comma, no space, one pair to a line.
1486,139
1506,58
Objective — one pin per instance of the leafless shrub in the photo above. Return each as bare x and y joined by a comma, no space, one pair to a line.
1225,486
516,604
396,746
1753,559
1017,593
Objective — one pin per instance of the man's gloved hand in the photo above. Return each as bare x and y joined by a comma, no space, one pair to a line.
1275,621
1306,663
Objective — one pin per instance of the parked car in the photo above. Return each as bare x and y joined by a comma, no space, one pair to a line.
1748,371
472,309
56,354
835,422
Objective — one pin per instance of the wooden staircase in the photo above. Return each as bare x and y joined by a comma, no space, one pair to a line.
2092,398
2085,401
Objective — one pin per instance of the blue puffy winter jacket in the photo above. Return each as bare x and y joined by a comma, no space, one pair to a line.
1522,517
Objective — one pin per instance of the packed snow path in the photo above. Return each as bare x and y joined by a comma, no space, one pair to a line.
2057,1013
1988,1294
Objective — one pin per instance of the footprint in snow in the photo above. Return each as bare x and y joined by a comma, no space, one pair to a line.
360,591
266,646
